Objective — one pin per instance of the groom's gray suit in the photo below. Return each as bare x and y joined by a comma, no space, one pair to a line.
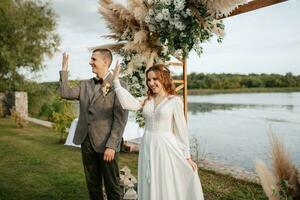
100,125
101,115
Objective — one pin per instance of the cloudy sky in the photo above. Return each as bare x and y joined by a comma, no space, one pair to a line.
262,41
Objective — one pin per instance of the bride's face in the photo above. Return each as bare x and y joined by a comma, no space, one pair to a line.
154,83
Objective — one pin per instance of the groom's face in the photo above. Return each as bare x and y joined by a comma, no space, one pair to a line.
99,64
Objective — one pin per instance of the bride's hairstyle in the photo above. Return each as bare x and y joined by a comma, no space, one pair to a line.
164,77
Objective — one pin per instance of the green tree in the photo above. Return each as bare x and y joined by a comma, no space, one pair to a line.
27,35
63,119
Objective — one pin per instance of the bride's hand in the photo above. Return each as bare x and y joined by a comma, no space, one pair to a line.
117,71
193,164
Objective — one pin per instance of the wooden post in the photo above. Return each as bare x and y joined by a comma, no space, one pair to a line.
252,5
185,89
182,82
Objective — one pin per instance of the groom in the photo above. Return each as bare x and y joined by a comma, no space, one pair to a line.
100,126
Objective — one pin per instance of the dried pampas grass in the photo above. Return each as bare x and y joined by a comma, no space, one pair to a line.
139,9
283,169
266,179
141,36
113,47
283,166
118,17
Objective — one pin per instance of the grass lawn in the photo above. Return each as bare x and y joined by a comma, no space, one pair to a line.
35,166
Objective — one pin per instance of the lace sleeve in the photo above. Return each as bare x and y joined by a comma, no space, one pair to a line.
180,127
127,101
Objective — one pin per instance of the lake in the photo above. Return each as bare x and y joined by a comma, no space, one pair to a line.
233,128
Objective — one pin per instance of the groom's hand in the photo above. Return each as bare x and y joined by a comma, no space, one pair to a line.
109,154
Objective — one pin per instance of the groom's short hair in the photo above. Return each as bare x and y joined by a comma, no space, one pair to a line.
106,54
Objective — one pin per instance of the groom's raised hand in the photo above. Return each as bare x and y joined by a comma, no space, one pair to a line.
65,62
109,154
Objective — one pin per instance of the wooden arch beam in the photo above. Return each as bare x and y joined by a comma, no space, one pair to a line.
253,5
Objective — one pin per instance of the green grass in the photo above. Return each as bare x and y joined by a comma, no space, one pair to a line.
241,90
35,166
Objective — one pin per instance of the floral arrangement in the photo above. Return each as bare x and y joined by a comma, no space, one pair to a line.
178,30
151,31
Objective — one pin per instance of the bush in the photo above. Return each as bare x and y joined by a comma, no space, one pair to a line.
18,118
63,119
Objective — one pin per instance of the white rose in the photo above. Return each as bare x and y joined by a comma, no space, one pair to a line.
159,17
137,86
176,17
179,5
166,14
172,21
188,12
166,2
179,25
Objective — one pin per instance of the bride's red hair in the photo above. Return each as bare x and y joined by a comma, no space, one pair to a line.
164,77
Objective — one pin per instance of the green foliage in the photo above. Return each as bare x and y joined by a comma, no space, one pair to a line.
27,35
179,30
48,109
43,98
135,80
63,119
283,193
235,81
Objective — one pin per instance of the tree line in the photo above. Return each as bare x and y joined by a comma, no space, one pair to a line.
235,81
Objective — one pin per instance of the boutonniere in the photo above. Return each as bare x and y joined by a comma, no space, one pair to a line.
106,88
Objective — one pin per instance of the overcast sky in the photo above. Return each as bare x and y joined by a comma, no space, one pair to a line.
262,41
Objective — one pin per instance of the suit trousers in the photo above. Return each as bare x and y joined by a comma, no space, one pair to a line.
97,170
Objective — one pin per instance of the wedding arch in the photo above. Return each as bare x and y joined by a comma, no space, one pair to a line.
151,31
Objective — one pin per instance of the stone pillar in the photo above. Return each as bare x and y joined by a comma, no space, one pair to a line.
19,100
2,104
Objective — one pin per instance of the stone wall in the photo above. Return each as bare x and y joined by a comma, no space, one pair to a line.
2,104
19,100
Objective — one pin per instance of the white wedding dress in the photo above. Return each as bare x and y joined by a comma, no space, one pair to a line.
163,171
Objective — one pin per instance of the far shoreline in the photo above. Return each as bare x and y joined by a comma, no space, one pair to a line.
194,92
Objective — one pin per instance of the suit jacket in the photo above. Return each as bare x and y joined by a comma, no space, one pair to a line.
101,114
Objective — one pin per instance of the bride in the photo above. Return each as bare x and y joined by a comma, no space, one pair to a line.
165,168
